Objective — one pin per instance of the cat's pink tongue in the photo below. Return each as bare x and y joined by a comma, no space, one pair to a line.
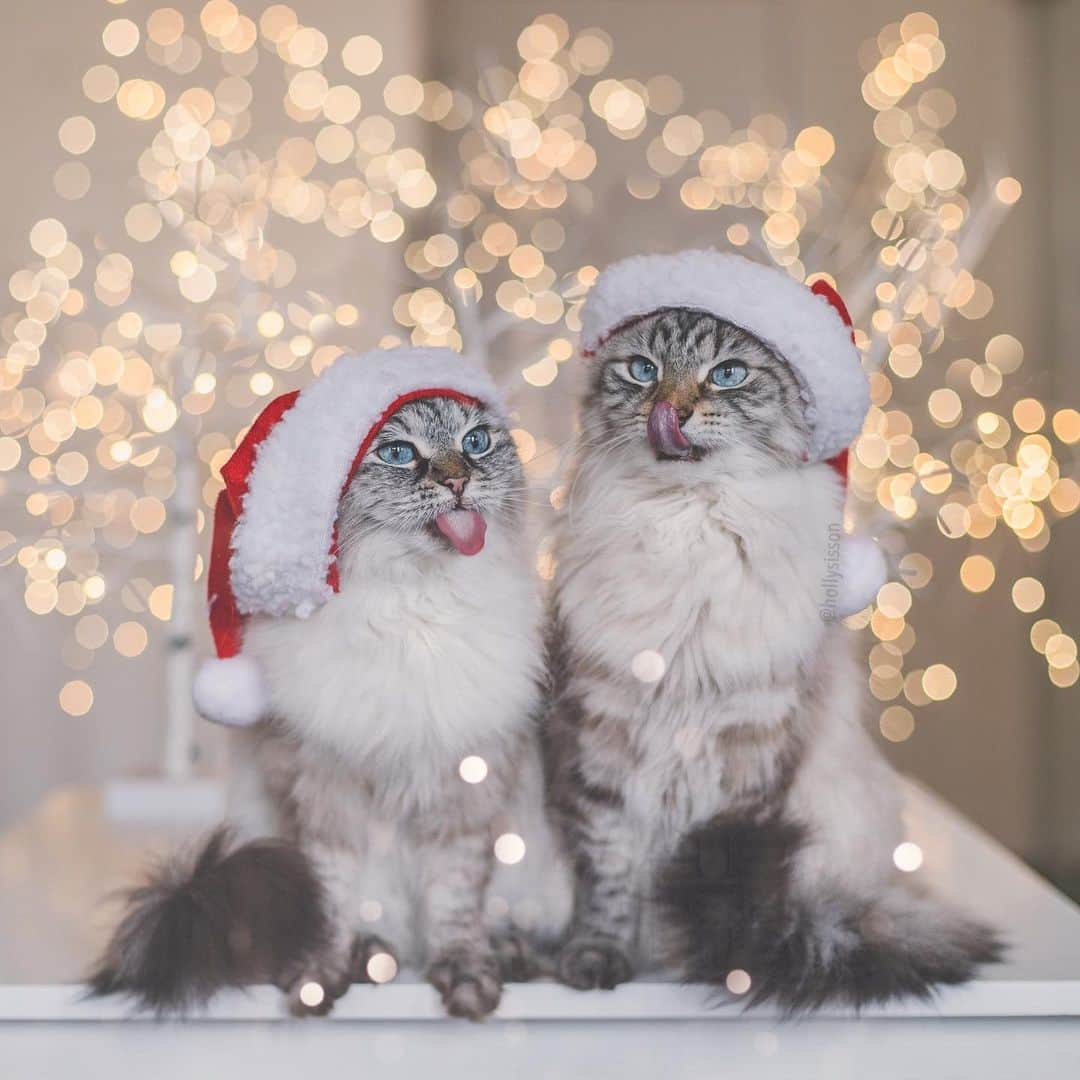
465,529
665,431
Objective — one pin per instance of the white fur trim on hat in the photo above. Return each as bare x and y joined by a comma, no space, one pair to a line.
282,540
863,571
804,328
231,692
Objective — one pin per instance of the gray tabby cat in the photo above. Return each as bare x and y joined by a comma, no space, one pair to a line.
383,853
706,759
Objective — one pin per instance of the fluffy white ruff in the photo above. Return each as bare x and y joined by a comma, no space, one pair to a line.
282,540
420,660
231,692
725,576
804,328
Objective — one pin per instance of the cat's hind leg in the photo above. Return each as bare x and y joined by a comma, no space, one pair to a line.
864,931
807,905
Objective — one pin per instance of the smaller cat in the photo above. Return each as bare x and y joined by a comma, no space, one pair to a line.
397,752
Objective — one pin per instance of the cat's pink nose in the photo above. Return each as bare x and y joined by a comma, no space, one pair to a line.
665,431
456,483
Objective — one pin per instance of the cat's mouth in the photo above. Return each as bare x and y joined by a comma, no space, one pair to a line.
464,529
665,433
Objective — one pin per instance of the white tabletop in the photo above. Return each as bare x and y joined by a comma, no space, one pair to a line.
58,864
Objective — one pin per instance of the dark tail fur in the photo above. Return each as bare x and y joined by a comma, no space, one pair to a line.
727,894
231,916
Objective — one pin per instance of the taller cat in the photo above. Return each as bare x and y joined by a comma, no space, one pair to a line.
373,602
706,756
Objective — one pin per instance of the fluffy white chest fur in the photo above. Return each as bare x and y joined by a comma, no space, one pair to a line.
417,661
725,581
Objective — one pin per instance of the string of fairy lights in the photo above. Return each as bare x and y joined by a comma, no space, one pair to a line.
110,381
978,468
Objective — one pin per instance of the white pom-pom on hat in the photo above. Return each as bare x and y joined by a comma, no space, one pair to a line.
863,571
231,691
274,548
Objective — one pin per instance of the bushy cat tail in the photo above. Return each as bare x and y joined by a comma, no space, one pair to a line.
727,895
230,915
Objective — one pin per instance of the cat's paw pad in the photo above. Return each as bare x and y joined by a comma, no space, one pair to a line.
468,983
593,964
373,961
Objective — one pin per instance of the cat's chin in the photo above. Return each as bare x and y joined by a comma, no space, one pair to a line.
692,456
652,455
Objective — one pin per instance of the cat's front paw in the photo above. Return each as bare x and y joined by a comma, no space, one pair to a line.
468,982
373,961
518,960
313,984
314,991
591,963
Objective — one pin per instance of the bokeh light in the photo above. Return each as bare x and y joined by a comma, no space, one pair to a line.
114,394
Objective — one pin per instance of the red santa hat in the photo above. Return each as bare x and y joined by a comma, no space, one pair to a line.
274,548
810,328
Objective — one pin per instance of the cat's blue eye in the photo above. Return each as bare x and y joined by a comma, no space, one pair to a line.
397,453
642,369
728,374
476,442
